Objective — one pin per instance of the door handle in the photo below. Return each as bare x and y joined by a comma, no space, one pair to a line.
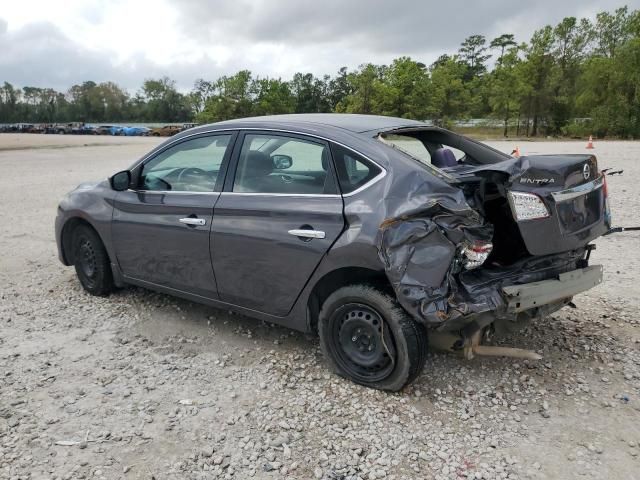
307,233
193,221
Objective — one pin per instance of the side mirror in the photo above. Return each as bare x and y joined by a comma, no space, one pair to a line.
120,181
282,162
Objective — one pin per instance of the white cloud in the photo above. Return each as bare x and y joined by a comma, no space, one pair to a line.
53,44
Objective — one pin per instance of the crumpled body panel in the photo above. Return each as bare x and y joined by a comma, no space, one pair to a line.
420,240
418,244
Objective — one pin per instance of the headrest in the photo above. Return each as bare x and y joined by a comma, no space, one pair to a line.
325,159
443,157
258,164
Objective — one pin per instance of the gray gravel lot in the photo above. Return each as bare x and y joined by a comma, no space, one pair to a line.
142,385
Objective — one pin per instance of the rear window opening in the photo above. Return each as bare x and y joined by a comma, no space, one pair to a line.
421,151
441,149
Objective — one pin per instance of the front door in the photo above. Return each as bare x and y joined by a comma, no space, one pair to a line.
161,229
277,217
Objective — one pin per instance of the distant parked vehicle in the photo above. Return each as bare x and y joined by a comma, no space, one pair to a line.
8,128
59,128
166,131
31,128
108,130
85,129
135,131
187,126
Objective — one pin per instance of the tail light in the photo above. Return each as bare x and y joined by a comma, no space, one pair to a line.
527,206
475,254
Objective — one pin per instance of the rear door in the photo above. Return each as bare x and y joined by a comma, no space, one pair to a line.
161,228
278,215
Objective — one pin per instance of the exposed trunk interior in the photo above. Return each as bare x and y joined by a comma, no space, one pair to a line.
508,246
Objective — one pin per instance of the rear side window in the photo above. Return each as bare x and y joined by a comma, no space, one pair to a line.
283,165
353,170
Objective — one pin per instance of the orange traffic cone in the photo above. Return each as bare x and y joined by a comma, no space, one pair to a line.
590,143
516,152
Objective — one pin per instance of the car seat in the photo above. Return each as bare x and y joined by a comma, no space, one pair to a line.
253,176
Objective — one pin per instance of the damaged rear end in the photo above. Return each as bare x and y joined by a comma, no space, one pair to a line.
496,241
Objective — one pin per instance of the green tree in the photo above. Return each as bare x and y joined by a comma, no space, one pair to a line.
202,91
612,30
339,88
9,98
164,102
232,99
272,97
537,70
365,85
506,87
449,94
472,53
571,38
504,41
311,93
404,89
576,77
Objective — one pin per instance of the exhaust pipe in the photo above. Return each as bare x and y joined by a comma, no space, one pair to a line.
489,351
470,347
473,348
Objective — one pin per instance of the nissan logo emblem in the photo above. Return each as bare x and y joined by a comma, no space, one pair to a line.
586,171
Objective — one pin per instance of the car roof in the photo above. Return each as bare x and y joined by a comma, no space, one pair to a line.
355,123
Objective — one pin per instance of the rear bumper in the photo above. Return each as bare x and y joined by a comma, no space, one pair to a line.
532,287
531,295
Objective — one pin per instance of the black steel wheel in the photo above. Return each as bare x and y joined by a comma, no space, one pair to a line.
91,261
367,337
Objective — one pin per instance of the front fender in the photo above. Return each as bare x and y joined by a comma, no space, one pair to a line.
89,203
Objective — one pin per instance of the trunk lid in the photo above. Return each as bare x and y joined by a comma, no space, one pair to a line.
571,188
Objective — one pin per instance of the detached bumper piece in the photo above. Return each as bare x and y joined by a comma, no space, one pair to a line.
531,295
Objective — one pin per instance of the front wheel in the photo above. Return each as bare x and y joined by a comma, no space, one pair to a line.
91,262
368,338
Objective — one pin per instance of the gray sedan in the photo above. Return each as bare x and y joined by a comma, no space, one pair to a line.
376,233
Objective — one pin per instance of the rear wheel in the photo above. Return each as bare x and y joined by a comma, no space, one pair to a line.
367,337
91,261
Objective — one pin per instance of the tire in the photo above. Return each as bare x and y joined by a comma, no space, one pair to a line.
91,262
367,337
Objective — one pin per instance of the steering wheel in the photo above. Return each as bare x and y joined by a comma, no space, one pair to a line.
190,171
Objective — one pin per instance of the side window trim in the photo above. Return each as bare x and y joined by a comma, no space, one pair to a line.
235,157
224,166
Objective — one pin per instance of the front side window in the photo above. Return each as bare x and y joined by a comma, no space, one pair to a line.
190,166
281,164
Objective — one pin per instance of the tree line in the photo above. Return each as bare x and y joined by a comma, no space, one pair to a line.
575,78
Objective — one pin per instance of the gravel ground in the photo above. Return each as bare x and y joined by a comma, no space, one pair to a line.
142,385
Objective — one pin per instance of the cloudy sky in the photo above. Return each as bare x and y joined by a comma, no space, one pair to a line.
57,44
